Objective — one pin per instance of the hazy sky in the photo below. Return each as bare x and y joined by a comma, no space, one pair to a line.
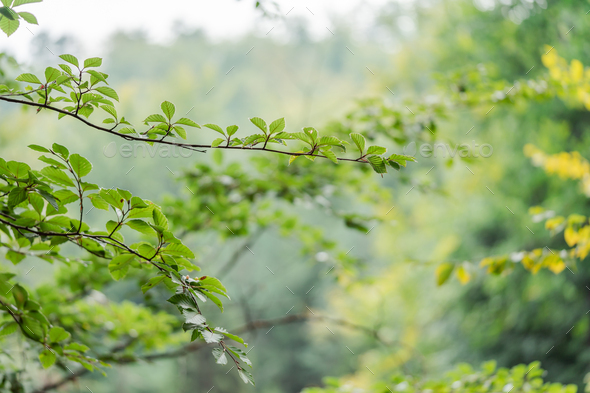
93,21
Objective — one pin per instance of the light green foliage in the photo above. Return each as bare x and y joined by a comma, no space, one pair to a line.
518,379
78,92
34,221
10,15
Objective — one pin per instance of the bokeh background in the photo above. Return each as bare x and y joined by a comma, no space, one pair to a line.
313,63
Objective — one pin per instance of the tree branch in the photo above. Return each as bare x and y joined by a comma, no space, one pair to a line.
188,146
197,345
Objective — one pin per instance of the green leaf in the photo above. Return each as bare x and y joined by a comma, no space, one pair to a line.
14,257
111,111
183,301
119,266
214,299
61,150
107,91
330,154
20,295
258,122
219,355
302,136
27,77
159,218
211,338
47,358
215,127
112,197
32,327
7,13
187,122
28,17
394,165
19,169
70,59
9,26
179,250
378,164
168,108
76,347
51,74
277,125
66,68
180,131
240,354
231,130
49,198
193,317
214,282
98,202
57,334
16,196
8,328
376,150
53,162
231,336
401,157
246,376
37,202
152,282
21,2
93,62
155,118
141,226
57,176
253,139
359,141
217,142
81,165
96,77
443,272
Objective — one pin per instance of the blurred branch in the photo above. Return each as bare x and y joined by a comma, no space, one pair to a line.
197,345
237,254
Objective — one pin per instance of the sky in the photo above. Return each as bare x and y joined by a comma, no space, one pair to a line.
93,21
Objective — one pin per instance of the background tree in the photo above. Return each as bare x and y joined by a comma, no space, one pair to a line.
389,316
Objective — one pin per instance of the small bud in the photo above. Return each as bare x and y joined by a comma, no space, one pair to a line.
202,278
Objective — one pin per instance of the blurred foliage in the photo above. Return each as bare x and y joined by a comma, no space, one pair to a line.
318,238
